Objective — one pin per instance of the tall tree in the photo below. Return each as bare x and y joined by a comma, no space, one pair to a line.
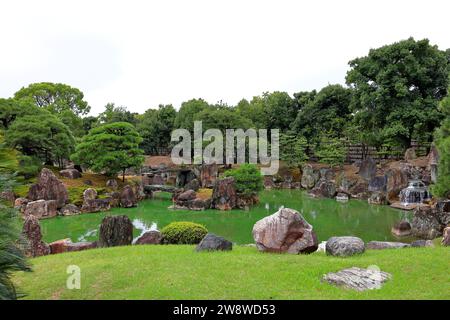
325,112
188,109
155,127
110,148
115,113
397,89
43,136
55,97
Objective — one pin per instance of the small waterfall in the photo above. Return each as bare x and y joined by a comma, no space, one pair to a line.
416,192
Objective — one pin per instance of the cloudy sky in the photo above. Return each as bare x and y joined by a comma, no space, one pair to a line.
143,53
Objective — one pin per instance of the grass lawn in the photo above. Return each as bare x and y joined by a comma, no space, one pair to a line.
177,272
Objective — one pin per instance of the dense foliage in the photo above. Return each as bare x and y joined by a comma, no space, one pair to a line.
248,179
183,233
110,148
442,186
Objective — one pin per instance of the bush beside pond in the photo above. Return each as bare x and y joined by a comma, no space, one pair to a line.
183,233
248,179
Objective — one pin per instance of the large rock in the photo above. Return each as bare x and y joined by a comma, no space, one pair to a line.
379,245
208,175
70,173
112,183
80,246
309,177
48,187
21,204
344,246
378,198
410,154
324,188
396,180
224,195
128,197
368,169
194,184
426,223
69,210
42,209
59,246
446,237
34,246
285,231
150,237
187,195
92,204
211,242
357,278
401,229
422,243
377,183
115,231
359,190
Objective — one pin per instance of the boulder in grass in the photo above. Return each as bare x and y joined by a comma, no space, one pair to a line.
69,210
70,173
379,245
422,243
344,246
285,231
59,246
150,237
357,278
80,246
211,242
128,197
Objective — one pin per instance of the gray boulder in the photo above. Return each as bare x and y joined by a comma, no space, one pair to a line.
42,209
379,245
357,278
401,229
128,197
324,189
422,243
309,177
69,210
48,187
70,173
211,242
344,246
368,169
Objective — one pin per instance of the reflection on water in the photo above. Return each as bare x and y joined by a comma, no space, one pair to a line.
327,216
143,227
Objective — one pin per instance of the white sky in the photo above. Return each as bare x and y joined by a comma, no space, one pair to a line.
142,53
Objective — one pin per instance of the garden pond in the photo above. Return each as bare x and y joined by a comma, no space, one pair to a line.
328,217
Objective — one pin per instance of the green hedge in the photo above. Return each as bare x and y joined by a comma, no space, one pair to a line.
248,179
183,233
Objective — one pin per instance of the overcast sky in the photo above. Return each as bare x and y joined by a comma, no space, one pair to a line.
143,53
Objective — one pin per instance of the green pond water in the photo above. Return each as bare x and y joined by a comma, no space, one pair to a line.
328,217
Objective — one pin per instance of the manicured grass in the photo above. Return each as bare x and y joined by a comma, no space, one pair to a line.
177,272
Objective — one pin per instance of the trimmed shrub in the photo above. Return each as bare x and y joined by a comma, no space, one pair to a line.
183,233
248,179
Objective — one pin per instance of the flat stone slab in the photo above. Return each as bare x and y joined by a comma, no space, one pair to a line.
408,207
357,278
159,187
379,245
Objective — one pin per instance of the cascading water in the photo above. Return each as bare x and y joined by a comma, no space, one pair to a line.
416,192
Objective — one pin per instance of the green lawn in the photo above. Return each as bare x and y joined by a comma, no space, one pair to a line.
177,272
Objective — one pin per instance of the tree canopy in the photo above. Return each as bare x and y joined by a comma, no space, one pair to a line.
397,89
110,148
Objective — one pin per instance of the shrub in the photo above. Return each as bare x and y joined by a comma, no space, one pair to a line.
248,179
183,233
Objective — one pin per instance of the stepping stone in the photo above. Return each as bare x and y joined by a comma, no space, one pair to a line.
357,278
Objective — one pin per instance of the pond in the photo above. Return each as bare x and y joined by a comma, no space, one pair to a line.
328,217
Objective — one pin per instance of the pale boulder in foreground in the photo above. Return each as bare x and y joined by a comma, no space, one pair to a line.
285,231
